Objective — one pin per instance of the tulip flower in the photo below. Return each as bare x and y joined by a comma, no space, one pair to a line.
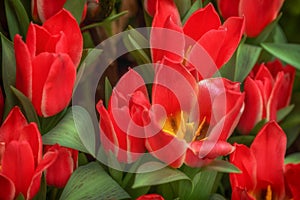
44,9
150,197
46,63
21,162
59,172
197,35
192,120
1,104
258,13
292,174
126,110
263,172
268,89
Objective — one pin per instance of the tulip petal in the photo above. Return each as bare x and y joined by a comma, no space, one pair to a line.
272,137
61,169
165,9
258,14
18,154
52,71
7,188
234,27
47,8
23,67
292,174
198,24
47,161
244,159
12,126
253,107
228,8
64,22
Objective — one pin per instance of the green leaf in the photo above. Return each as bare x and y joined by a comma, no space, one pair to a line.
92,182
157,177
247,56
222,166
67,131
183,6
106,21
217,197
203,185
135,42
287,52
20,197
27,106
242,139
264,35
8,73
114,165
228,70
17,19
282,113
108,91
292,158
76,8
196,5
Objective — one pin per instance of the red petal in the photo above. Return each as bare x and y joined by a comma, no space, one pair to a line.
64,22
258,14
47,160
228,8
12,126
150,197
23,67
1,104
292,174
161,144
200,20
7,188
174,88
165,9
269,145
234,27
150,7
48,8
18,165
244,159
53,81
253,107
61,169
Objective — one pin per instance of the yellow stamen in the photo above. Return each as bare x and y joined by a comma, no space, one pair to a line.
200,130
269,193
184,62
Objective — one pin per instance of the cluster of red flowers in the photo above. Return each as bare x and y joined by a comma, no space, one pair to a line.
186,119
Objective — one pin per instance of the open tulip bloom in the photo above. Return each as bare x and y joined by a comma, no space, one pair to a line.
201,104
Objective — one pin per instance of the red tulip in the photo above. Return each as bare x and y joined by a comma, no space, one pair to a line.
193,120
196,36
268,88
150,197
292,174
62,168
46,63
258,13
1,104
21,163
262,165
44,9
121,124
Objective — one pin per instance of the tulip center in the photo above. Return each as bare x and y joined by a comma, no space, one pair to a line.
268,193
178,125
265,194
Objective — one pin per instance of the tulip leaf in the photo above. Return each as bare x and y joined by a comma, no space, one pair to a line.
292,158
108,91
76,8
183,6
20,197
135,42
27,106
92,182
287,52
282,113
203,182
66,132
217,197
160,175
246,58
17,18
222,166
8,73
242,139
196,5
